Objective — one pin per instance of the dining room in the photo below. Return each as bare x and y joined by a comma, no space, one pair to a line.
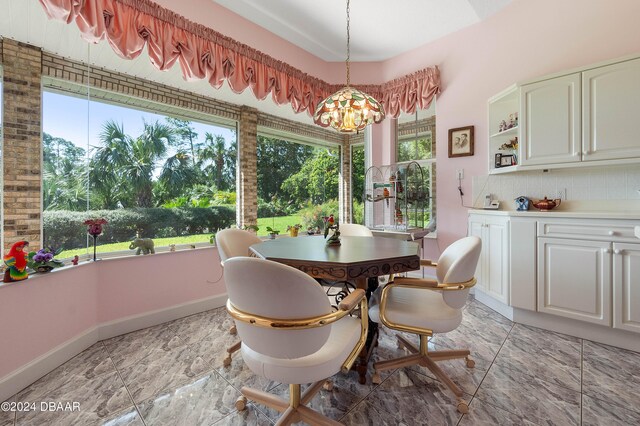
350,212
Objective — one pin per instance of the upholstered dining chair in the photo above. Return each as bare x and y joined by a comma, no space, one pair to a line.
428,306
290,334
232,243
354,230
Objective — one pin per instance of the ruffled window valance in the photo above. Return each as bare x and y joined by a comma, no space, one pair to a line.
129,25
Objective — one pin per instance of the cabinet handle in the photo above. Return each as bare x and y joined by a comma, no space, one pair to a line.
617,251
607,250
612,233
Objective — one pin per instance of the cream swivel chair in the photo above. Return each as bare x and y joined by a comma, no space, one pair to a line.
427,306
354,230
290,334
233,243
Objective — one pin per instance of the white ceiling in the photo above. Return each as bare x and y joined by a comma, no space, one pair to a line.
380,29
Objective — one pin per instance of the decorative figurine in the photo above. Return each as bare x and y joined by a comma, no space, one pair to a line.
503,126
334,239
522,203
75,260
144,245
16,261
172,247
94,228
512,122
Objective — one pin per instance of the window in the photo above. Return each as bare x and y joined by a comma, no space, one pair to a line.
150,175
357,183
416,143
297,183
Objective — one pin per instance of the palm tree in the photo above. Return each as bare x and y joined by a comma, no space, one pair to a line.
123,160
221,158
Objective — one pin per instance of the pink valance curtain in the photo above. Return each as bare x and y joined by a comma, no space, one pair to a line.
129,25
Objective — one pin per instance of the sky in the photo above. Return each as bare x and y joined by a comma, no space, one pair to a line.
68,117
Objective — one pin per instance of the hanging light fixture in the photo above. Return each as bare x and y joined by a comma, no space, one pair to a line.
348,110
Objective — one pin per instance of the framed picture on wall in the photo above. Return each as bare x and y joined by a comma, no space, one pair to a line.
461,141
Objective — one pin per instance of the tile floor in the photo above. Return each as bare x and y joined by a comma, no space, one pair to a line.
171,374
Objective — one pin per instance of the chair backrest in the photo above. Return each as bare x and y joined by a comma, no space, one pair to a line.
235,242
354,230
458,264
273,290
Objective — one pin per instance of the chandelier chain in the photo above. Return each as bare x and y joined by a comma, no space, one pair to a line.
348,42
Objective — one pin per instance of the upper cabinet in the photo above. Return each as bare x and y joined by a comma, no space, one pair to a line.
550,123
582,118
610,111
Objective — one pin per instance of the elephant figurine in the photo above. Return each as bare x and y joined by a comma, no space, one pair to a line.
144,245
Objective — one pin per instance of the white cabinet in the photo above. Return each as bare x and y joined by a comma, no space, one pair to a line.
493,267
610,111
574,279
626,286
550,121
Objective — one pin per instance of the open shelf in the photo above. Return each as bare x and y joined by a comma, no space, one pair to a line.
511,131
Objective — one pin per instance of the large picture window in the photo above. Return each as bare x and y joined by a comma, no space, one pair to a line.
150,175
297,184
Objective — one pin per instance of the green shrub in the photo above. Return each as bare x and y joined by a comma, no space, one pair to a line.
66,229
312,215
358,212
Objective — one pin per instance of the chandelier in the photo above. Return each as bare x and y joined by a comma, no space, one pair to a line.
348,110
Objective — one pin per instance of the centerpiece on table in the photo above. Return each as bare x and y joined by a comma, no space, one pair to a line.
94,228
331,226
273,233
43,260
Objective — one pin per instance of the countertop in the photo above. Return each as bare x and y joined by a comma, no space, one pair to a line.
596,209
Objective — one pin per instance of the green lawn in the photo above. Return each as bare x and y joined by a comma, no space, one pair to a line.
279,223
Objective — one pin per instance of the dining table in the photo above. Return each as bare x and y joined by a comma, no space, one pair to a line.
357,259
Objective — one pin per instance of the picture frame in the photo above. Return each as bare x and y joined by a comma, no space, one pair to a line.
498,161
461,141
507,160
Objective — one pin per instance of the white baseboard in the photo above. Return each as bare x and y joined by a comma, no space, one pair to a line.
125,325
22,377
594,332
19,379
499,307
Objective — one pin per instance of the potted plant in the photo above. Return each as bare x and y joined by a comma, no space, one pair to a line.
293,229
272,233
43,260
253,228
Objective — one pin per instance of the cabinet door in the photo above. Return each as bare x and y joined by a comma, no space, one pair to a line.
611,101
574,279
495,245
626,287
476,229
550,121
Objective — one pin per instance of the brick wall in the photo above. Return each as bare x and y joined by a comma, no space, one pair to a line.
22,65
247,187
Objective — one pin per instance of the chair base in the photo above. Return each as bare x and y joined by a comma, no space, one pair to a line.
230,350
421,356
294,410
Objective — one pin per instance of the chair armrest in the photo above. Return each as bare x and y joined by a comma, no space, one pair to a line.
352,300
416,282
432,284
428,262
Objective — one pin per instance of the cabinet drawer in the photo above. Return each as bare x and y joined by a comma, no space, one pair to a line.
589,230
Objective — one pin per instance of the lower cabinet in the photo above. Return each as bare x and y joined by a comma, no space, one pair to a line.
493,267
626,286
574,279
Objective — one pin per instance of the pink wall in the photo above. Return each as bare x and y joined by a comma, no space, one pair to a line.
525,40
47,310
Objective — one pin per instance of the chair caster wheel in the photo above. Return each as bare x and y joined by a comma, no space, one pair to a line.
328,385
470,363
375,379
241,403
233,330
227,361
463,408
